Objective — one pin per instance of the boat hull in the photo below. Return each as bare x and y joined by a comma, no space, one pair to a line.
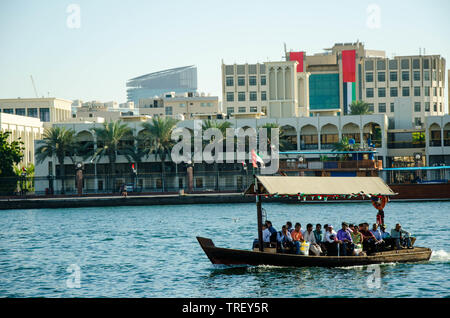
227,256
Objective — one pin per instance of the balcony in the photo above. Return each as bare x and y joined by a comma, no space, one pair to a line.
406,144
331,165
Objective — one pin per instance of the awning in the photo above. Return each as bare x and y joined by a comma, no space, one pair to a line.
284,185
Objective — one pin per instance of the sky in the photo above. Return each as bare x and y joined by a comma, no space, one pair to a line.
87,50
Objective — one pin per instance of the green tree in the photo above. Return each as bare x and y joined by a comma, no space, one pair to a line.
11,153
59,142
114,138
157,137
28,185
359,107
342,146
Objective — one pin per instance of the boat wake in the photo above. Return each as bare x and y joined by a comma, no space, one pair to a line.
440,256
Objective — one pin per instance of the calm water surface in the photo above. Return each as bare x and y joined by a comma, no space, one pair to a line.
152,252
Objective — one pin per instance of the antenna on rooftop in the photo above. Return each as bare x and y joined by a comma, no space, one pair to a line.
34,86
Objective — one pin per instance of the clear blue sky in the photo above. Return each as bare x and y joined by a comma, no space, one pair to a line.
119,40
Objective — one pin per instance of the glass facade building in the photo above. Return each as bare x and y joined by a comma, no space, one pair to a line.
324,91
178,80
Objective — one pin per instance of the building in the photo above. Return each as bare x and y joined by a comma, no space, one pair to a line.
94,110
45,109
327,83
28,129
311,135
178,80
186,105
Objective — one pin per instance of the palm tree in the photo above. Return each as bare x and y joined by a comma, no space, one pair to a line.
222,127
158,140
59,142
359,108
344,145
110,143
283,143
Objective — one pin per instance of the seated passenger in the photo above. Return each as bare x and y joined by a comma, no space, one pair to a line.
297,237
273,232
284,239
344,239
289,226
357,239
266,237
331,241
369,240
386,237
400,237
318,234
376,232
310,237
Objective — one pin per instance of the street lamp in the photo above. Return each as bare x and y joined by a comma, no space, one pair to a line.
79,166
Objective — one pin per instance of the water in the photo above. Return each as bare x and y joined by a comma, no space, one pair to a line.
152,252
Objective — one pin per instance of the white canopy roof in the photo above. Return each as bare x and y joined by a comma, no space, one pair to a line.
284,185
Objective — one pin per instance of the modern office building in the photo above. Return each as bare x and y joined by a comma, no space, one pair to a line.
178,80
327,83
186,106
46,109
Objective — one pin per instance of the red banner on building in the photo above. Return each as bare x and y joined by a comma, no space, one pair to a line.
297,56
349,65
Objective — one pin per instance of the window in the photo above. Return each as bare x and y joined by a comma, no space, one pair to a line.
426,63
426,91
434,91
382,107
240,69
252,80
405,91
440,107
242,109
405,76
241,81
426,75
435,107
381,76
370,107
324,91
417,107
20,111
369,92
433,73
253,109
202,104
416,75
381,64
427,106
209,104
393,64
252,69
230,81
230,97
405,64
182,104
369,65
417,121
393,76
262,68
394,91
264,109
229,69
263,80
416,64
392,107
44,114
230,110
369,77
241,96
263,95
381,92
32,112
169,110
417,91
253,96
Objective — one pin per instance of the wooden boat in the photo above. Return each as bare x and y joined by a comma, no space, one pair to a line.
265,186
228,256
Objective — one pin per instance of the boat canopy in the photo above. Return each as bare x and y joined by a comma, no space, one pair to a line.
286,185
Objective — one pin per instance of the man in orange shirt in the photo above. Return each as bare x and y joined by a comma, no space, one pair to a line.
297,237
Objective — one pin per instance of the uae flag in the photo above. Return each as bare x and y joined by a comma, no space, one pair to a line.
256,159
